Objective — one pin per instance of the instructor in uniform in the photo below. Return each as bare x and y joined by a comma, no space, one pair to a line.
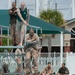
13,14
31,49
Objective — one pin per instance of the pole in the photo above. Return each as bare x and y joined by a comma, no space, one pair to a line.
37,7
8,38
15,1
1,36
56,6
61,48
9,4
73,8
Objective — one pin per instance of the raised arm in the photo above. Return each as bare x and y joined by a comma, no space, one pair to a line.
28,16
17,58
51,71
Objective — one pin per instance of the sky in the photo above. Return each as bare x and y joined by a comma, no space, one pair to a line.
64,6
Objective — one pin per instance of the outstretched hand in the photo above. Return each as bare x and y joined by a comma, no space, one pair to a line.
26,23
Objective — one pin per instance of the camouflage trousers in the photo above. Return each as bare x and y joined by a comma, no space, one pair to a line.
14,35
31,60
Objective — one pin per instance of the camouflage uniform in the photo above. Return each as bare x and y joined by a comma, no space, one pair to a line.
15,40
47,71
31,54
19,59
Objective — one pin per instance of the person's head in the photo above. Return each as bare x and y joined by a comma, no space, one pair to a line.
63,64
31,32
13,5
22,5
49,64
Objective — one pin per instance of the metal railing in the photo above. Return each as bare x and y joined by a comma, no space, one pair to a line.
54,58
9,59
8,35
10,56
42,61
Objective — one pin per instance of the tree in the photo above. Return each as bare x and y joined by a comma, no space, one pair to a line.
52,16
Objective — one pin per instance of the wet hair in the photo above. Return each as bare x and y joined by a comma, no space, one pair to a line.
31,29
63,64
13,3
49,62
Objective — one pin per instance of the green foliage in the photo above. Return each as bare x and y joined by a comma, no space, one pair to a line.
4,43
52,16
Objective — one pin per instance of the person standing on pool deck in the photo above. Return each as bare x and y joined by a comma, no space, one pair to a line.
12,14
22,21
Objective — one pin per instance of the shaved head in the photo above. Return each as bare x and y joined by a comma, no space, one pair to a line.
14,5
31,32
22,4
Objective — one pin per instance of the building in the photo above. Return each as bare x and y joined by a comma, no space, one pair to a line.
70,39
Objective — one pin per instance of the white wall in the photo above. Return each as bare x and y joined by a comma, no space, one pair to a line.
4,4
70,62
55,41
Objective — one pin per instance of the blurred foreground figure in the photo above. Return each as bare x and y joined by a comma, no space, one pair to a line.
5,68
31,50
19,59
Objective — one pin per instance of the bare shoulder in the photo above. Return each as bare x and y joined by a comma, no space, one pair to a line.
27,34
35,34
18,10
